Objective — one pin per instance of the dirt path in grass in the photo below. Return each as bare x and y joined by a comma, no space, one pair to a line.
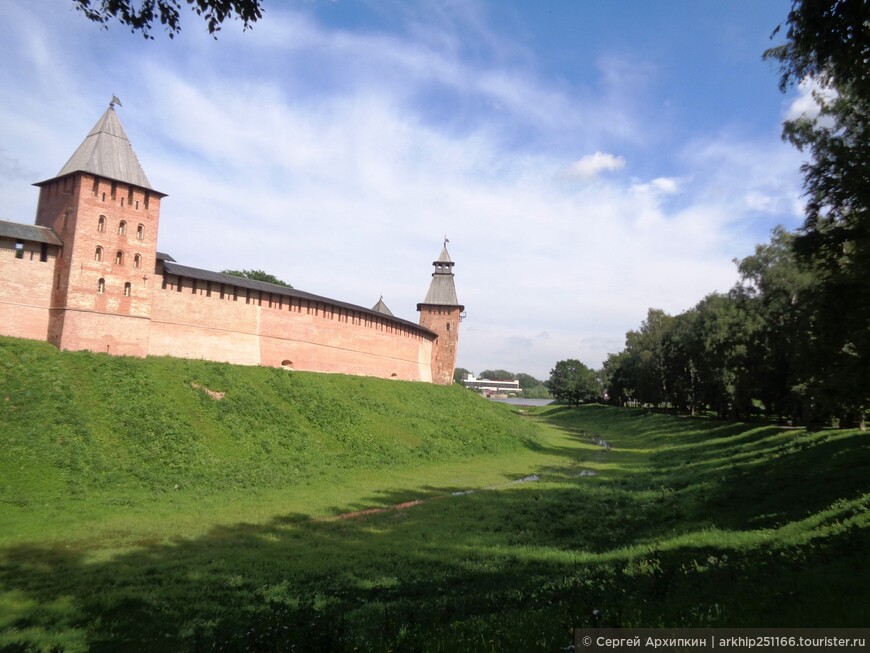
416,502
404,505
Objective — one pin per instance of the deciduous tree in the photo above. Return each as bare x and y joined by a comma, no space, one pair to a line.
828,45
571,381
257,275
142,15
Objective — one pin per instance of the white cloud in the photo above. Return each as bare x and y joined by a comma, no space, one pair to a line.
806,104
592,165
658,186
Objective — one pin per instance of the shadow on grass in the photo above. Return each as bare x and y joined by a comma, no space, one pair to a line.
507,569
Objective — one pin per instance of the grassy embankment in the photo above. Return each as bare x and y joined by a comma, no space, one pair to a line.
140,513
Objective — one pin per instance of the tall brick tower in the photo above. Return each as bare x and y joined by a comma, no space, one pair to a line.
105,211
441,312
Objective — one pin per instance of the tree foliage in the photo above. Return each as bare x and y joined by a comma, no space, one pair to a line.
498,375
828,44
142,15
257,275
460,374
572,381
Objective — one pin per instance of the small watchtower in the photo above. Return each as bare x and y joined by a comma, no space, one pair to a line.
105,211
441,312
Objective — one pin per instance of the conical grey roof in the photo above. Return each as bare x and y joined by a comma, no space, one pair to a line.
106,151
380,307
442,291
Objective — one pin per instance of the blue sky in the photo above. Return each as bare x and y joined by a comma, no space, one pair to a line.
587,160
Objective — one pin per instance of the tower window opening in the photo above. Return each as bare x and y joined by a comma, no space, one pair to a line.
65,218
119,258
114,189
103,198
101,286
127,289
96,186
137,261
101,223
140,232
98,254
19,249
122,228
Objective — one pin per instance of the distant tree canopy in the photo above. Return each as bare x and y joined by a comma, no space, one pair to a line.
460,374
497,375
257,275
142,15
573,382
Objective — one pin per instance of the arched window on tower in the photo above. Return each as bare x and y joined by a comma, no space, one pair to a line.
127,289
122,228
140,232
119,258
101,223
137,261
98,254
101,286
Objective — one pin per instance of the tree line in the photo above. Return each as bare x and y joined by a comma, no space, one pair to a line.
792,338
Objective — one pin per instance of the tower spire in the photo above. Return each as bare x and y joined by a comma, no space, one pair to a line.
441,312
107,153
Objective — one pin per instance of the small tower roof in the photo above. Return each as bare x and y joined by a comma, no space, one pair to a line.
380,307
106,152
442,291
444,257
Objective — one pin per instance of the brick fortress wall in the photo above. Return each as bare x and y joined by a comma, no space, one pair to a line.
105,290
25,294
197,319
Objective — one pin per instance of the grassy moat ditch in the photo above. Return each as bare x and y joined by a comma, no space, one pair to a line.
305,512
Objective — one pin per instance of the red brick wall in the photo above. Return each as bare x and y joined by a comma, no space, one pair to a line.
72,206
191,325
321,338
443,320
242,327
25,289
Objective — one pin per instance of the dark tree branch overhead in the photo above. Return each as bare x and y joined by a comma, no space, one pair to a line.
142,15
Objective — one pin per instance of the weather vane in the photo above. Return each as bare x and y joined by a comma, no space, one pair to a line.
115,101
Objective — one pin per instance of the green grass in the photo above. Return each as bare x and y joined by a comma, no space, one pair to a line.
681,522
